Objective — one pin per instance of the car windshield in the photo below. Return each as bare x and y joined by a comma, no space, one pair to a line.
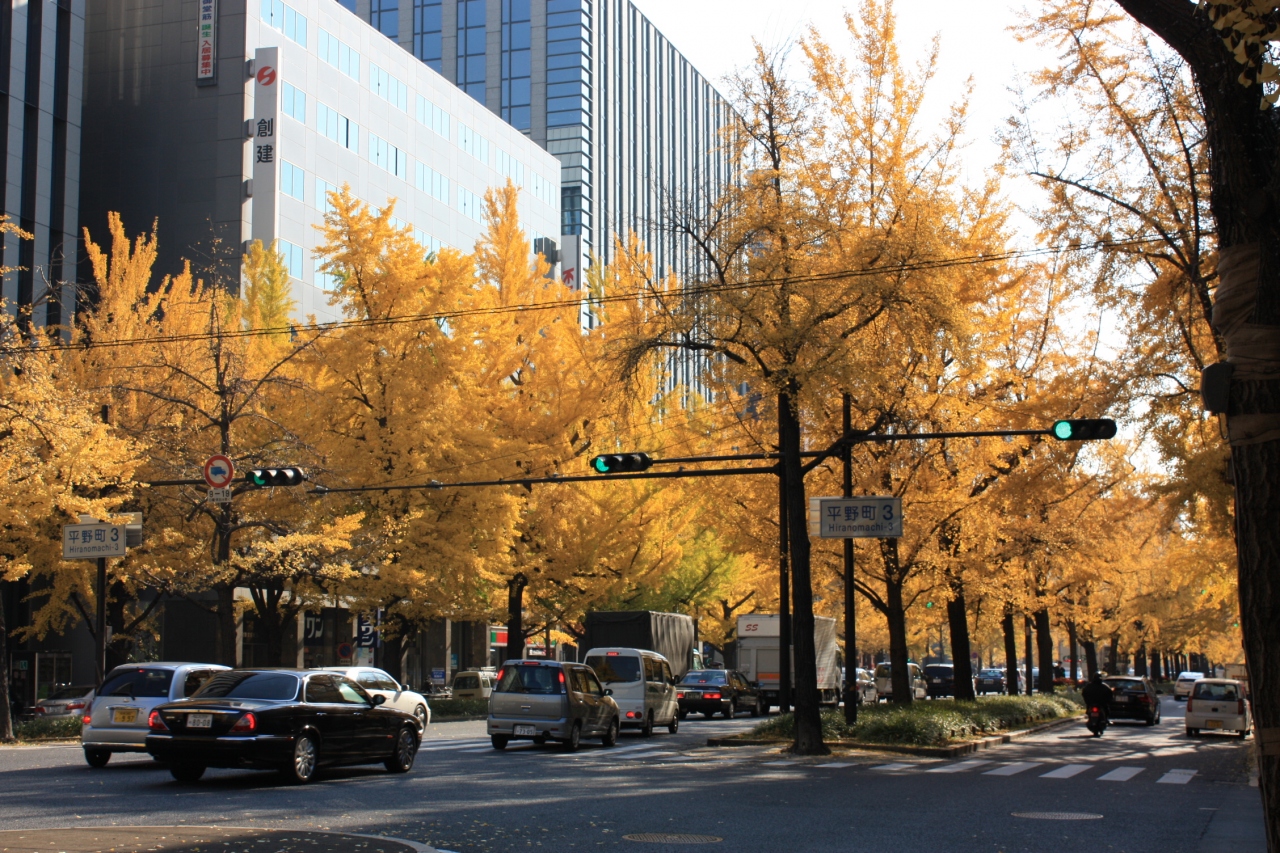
523,678
279,686
615,669
466,682
1216,691
703,678
139,683
1124,683
69,693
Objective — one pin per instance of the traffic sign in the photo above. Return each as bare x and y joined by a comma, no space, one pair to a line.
219,471
219,496
345,651
855,518
91,541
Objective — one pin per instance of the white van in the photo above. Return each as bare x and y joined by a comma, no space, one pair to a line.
473,684
642,685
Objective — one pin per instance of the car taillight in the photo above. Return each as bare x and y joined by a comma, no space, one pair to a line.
75,706
1145,698
679,695
711,696
247,724
85,720
562,676
156,723
1189,703
1240,707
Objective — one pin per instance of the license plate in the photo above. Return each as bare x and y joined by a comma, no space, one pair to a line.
1213,724
937,681
526,731
124,715
199,721
1120,699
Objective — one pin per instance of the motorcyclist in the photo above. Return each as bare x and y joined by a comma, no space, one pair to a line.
1097,694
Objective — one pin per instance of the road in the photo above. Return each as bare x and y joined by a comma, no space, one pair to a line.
1155,790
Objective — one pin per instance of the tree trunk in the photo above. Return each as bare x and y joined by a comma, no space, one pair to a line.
392,654
226,624
1010,651
1090,657
515,616
808,710
1113,652
896,616
1156,673
1073,640
1029,662
6,717
958,622
1140,660
1044,645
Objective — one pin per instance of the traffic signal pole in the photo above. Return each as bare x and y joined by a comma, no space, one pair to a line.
851,695
101,639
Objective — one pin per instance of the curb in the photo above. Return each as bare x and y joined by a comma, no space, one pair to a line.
260,831
922,751
466,718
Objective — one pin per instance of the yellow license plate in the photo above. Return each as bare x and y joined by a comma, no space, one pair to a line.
1213,724
130,715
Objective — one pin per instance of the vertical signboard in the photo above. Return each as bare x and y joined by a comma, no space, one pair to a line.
207,43
266,156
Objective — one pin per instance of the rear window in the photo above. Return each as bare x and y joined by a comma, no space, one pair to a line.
138,683
615,669
883,671
703,678
938,671
69,693
279,686
1216,691
1125,684
522,678
466,682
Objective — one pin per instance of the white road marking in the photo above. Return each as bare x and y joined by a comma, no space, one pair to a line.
1120,774
1013,769
1066,771
835,764
894,767
959,767
1176,777
779,763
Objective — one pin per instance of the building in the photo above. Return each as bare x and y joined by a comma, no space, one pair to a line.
637,128
257,109
41,79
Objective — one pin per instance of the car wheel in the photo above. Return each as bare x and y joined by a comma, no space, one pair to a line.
1243,733
574,740
302,769
731,711
540,740
755,708
674,725
1193,733
611,734
97,757
1152,720
186,772
647,729
499,741
420,714
401,761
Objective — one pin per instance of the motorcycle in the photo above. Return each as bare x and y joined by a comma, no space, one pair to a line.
1097,720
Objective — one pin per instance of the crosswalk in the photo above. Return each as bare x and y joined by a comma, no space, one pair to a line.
1064,771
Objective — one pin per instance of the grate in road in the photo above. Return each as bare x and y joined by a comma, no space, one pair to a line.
1058,815
672,838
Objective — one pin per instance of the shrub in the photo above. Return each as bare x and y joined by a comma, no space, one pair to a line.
445,708
933,723
62,727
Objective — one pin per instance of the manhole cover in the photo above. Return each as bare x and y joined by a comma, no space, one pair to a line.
672,838
1058,815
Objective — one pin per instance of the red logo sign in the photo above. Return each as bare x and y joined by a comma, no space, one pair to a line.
219,472
568,276
266,76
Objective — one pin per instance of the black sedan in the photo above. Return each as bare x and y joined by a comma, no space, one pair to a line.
291,721
717,691
1133,698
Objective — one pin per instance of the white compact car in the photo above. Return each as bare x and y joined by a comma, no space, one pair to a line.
1186,680
1218,705
379,683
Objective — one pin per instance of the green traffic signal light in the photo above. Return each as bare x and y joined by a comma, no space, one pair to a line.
267,477
618,463
1084,429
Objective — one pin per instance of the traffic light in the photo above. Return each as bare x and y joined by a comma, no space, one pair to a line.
267,477
617,463
1088,429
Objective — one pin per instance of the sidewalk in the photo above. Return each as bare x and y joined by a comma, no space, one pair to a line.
197,839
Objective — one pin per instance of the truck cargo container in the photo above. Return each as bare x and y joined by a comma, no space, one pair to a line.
758,656
672,635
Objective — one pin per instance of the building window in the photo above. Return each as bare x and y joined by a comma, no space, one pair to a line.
568,63
516,63
277,15
385,17
431,182
510,167
323,188
431,244
470,204
427,31
384,155
471,44
349,5
338,127
386,86
473,143
292,257
294,102
433,117
325,280
293,181
338,54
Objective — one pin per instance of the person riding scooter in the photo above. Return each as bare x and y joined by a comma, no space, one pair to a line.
1097,699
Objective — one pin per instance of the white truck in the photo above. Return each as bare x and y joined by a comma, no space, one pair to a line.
758,656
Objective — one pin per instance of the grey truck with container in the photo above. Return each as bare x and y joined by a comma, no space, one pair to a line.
759,657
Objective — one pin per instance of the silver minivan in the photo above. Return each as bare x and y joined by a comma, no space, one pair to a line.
548,700
117,719
642,685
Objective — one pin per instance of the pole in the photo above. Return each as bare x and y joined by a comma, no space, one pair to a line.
851,695
784,584
102,619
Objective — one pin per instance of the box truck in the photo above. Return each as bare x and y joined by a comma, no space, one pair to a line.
672,635
758,656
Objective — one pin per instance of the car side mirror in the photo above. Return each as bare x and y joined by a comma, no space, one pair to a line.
377,699
608,691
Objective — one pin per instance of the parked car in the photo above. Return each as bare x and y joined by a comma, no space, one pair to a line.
1133,698
65,702
884,681
865,687
550,700
376,682
642,686
292,721
1186,681
475,684
940,680
991,681
716,691
1218,704
116,720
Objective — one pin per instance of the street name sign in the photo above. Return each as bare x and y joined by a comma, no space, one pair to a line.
219,496
91,541
855,518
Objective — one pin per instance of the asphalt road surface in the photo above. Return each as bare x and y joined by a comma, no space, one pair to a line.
1136,789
